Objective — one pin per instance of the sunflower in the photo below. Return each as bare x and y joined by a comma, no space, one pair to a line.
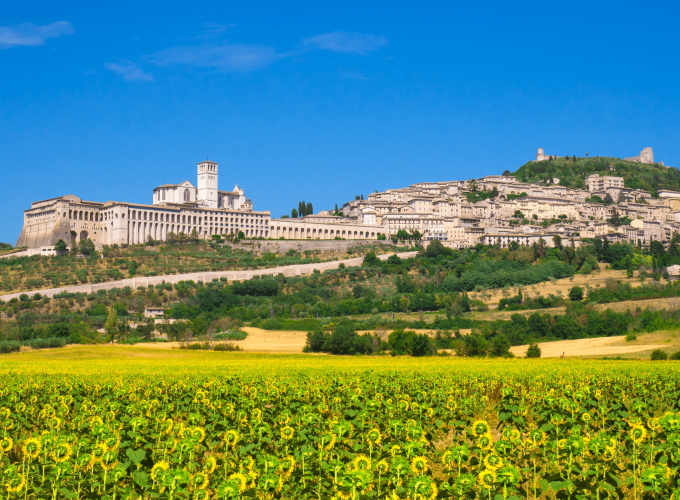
159,468
199,481
62,452
287,465
198,433
486,478
247,463
493,461
536,437
638,434
653,424
423,487
586,417
31,448
6,444
361,462
485,441
108,461
419,465
382,467
508,476
210,465
374,436
480,427
16,483
287,433
231,437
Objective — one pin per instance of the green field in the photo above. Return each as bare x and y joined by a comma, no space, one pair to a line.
126,422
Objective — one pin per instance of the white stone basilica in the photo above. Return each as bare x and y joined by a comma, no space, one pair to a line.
176,208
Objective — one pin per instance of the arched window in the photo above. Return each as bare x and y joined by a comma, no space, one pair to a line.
186,195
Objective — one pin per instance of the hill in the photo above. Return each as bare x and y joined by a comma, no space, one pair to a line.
572,173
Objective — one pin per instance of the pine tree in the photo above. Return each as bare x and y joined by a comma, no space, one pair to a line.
336,208
362,196
294,214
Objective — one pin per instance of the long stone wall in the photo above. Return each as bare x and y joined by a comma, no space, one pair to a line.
294,270
282,246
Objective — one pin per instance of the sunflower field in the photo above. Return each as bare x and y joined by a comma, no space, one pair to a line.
215,425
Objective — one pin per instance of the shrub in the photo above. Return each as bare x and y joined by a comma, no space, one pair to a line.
576,293
534,351
227,346
659,355
630,336
675,356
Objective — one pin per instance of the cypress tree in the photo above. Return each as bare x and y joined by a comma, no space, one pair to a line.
310,210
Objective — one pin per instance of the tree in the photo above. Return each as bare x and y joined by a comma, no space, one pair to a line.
60,246
659,355
513,245
362,196
533,351
576,293
310,210
518,214
336,208
301,209
241,235
656,249
573,158
111,326
500,345
608,200
472,185
615,219
506,173
294,214
557,241
371,260
86,247
194,235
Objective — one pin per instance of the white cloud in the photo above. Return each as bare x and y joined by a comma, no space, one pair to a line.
347,43
129,71
227,57
30,35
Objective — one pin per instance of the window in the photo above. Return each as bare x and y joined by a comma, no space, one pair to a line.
186,195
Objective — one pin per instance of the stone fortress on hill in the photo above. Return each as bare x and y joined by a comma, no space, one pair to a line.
437,210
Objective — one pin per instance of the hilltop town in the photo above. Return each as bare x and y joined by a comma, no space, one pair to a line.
499,209
634,200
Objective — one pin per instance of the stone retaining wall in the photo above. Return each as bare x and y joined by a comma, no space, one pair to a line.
294,270
282,246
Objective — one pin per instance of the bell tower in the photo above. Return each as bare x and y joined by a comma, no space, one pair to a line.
207,183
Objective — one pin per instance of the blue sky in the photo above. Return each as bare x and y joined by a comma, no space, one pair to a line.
321,101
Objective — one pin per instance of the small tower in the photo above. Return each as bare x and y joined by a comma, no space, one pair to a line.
207,183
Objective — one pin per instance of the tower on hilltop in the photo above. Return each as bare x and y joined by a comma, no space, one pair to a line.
207,183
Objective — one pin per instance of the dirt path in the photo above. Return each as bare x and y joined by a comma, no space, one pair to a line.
607,346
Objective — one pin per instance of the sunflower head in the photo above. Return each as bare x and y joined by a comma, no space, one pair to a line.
638,434
374,436
485,441
361,462
419,465
6,444
486,478
383,467
31,448
287,433
480,427
493,462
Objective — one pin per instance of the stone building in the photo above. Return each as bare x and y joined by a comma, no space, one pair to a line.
646,156
176,208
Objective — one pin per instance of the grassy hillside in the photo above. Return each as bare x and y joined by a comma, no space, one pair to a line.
650,177
115,263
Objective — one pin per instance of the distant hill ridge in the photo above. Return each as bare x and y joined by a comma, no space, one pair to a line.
572,171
